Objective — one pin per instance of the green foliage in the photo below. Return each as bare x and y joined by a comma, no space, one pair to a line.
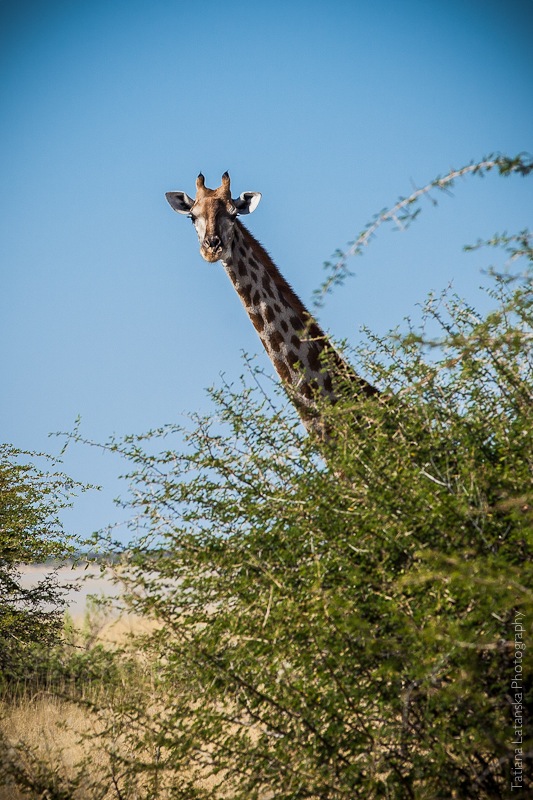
338,621
30,533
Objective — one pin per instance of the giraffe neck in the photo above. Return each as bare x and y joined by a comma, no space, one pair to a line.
302,355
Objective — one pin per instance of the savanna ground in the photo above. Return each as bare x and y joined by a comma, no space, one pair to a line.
60,746
40,723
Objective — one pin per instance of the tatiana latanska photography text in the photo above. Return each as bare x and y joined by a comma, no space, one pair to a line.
517,695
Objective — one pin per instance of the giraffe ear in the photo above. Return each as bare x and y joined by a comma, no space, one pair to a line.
247,202
180,202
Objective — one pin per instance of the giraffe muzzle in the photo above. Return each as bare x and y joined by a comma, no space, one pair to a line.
212,243
211,248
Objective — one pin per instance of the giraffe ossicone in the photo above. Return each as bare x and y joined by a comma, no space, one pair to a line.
306,361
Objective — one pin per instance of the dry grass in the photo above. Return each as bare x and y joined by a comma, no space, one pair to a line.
49,739
60,750
46,737
59,753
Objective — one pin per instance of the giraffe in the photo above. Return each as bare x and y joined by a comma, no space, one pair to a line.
306,361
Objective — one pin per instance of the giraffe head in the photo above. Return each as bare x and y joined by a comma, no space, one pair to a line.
213,213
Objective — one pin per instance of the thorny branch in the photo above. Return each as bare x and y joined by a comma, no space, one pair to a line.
405,211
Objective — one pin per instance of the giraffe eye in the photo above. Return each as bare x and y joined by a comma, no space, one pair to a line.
192,219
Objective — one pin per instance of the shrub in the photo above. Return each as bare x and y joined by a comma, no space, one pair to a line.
347,620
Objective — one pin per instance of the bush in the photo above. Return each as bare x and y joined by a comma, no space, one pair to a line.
30,533
347,620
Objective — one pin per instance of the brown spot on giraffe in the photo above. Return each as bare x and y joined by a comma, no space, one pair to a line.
276,340
269,313
283,371
267,285
243,291
293,358
297,324
313,358
312,331
257,321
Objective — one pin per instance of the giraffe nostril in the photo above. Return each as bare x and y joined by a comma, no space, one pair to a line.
212,242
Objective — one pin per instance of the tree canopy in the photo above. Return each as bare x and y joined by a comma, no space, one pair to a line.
31,532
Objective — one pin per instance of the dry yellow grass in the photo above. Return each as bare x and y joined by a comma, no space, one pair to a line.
48,734
47,730
54,745
58,745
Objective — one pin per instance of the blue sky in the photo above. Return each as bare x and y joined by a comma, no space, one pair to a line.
330,109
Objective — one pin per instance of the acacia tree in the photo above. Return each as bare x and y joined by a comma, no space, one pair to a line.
347,631
30,533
